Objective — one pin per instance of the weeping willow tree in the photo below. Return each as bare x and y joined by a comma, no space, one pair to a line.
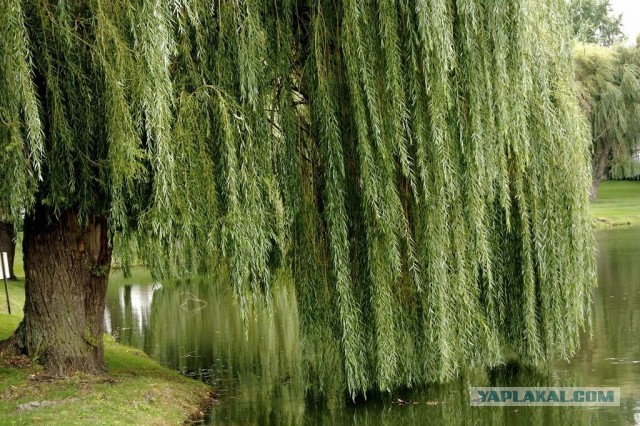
420,168
609,90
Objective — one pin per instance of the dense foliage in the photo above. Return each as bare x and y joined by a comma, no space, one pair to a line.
594,22
609,90
419,167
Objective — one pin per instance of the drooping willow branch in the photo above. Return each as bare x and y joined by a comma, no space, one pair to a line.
418,167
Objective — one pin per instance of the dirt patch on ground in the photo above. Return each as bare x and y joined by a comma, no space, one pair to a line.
40,404
15,361
198,417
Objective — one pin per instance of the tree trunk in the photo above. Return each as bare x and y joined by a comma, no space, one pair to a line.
593,192
66,270
599,166
8,244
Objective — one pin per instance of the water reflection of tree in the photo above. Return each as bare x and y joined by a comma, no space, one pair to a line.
618,295
610,347
270,373
198,328
611,340
128,310
446,404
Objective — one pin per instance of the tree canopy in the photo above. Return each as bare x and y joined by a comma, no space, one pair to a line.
594,22
420,168
609,89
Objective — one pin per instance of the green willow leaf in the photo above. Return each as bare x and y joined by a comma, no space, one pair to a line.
418,168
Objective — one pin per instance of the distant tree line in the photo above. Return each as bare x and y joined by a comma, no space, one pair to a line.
608,84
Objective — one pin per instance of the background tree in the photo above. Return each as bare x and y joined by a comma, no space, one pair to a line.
594,22
609,90
419,168
8,241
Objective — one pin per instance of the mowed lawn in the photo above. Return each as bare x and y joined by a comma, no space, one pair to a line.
618,203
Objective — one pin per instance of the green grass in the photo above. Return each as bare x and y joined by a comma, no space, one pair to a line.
16,294
16,297
137,390
618,203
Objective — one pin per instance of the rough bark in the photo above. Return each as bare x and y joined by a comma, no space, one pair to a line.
8,244
66,271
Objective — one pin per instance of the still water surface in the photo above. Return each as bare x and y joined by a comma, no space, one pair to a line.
195,327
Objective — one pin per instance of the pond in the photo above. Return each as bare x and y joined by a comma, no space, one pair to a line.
195,327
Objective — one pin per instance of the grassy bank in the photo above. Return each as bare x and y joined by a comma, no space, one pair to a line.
618,203
136,391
